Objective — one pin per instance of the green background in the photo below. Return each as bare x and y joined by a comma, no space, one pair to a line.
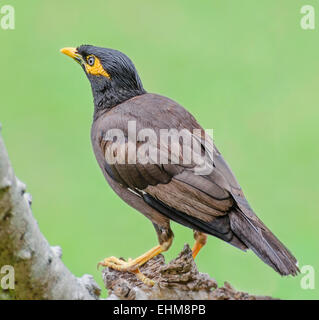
244,68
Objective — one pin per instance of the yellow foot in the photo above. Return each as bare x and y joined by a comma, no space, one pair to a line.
126,266
118,264
133,265
139,275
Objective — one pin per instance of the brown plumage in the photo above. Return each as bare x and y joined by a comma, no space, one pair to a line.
212,203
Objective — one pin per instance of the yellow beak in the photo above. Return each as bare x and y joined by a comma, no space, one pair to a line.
73,53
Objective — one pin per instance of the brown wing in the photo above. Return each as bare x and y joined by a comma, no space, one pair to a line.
212,203
175,190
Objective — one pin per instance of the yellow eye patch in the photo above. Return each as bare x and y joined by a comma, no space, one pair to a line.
96,69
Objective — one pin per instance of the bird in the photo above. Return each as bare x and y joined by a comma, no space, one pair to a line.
203,195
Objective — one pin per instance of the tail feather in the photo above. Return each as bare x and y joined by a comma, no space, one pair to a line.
256,236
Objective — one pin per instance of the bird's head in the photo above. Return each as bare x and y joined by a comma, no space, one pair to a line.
112,74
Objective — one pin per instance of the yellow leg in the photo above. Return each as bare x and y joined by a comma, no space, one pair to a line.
133,265
200,241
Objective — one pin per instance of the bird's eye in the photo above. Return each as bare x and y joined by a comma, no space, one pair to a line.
91,60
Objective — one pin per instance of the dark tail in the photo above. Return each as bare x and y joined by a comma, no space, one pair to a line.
256,236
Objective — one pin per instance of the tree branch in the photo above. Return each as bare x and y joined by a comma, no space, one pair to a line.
39,271
177,280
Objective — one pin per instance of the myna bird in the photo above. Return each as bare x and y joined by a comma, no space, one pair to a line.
209,202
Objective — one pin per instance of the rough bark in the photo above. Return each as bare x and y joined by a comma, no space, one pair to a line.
177,280
40,273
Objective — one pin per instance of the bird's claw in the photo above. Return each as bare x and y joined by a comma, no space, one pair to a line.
125,266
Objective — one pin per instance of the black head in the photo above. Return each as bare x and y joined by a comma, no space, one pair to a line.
112,74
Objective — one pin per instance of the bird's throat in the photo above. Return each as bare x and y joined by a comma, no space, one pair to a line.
108,98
